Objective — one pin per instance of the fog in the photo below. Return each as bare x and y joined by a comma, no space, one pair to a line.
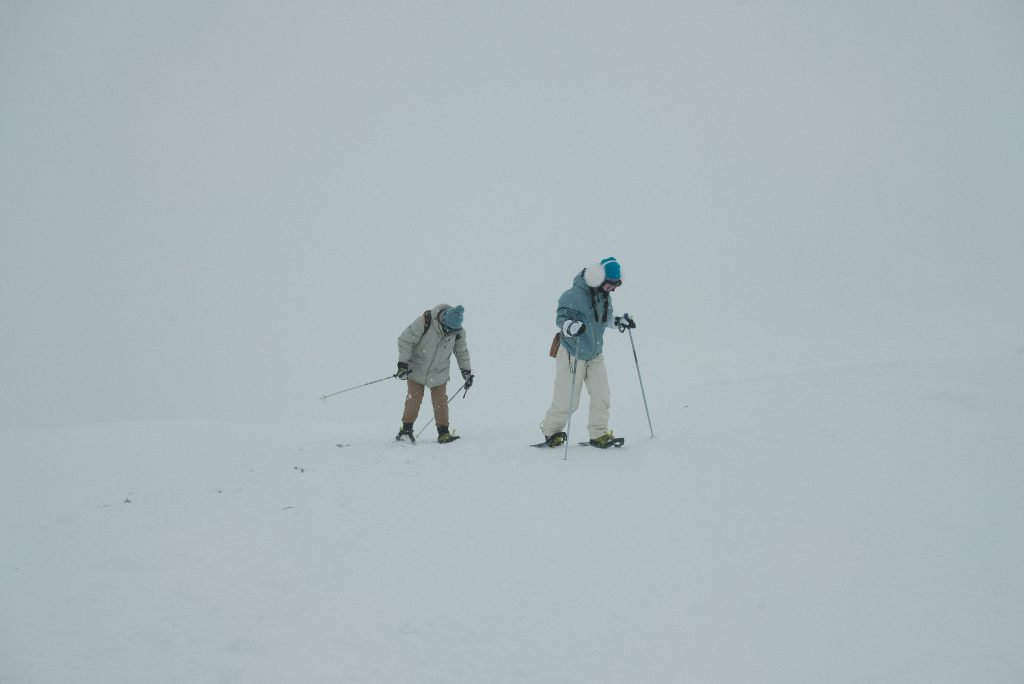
225,210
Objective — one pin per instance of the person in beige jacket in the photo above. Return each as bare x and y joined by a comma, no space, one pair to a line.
425,349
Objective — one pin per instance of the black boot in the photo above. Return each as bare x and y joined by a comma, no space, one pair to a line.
406,431
443,436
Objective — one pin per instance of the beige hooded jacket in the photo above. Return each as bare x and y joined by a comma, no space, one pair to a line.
428,349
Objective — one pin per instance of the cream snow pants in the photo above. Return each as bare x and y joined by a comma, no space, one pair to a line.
592,373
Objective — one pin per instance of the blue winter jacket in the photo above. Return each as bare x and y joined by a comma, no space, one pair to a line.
593,306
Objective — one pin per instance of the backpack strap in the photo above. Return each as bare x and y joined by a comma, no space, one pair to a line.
427,318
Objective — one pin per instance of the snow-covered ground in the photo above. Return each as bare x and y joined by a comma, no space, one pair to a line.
850,526
213,212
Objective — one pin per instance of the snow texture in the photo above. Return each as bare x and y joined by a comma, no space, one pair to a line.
212,213
848,526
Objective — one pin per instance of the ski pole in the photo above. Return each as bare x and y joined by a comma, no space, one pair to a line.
572,392
642,393
325,397
447,400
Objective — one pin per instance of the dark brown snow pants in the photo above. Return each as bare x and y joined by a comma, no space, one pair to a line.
414,397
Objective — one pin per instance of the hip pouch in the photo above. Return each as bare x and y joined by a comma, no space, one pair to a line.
555,343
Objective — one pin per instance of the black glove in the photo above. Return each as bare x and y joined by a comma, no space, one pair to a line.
624,321
403,370
573,328
468,376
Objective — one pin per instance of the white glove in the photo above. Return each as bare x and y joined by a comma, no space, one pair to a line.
573,328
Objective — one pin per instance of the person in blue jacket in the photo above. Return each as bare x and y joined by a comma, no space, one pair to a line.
584,313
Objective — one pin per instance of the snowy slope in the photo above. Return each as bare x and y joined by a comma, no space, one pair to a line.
220,211
845,526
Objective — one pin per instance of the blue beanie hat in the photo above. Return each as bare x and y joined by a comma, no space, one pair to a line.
612,270
452,318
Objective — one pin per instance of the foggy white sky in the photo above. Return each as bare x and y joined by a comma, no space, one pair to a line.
225,210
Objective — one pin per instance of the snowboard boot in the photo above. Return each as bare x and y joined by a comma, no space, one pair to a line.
406,431
555,440
445,437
